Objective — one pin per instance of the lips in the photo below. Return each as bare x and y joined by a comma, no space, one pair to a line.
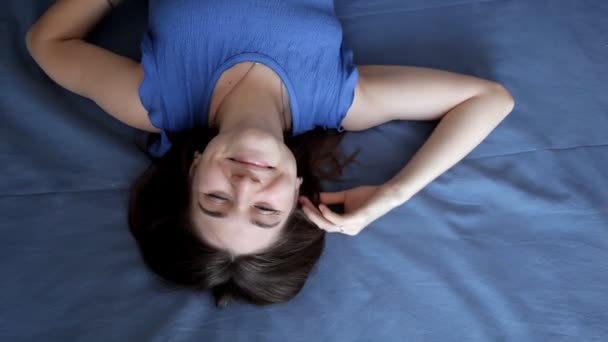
251,163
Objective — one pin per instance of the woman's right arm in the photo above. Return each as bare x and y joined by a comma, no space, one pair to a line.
56,42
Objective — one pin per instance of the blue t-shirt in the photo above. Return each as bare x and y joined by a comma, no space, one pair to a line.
190,43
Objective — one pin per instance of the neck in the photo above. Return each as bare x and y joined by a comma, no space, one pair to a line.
254,102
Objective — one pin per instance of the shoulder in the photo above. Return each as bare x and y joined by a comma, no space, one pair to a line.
357,116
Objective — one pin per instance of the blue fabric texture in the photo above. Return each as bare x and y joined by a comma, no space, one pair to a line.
190,43
511,244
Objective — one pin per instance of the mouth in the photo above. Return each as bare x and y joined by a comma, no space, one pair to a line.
252,164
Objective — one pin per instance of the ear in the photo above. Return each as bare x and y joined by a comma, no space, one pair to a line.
195,161
298,185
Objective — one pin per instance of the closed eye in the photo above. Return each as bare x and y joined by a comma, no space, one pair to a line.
216,197
262,209
223,215
266,211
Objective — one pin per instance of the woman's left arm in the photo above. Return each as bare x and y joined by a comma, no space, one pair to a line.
468,109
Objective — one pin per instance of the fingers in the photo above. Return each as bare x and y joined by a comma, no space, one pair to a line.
333,197
328,214
317,217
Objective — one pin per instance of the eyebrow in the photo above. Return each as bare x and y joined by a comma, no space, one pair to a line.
222,215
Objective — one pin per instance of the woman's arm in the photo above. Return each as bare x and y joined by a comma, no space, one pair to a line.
468,108
56,42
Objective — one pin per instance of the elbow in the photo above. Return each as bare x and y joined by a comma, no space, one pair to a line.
32,40
507,100
502,98
37,41
29,39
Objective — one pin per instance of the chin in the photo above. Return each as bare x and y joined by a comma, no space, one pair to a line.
255,133
257,139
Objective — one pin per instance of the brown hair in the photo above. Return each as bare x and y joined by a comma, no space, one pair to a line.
159,220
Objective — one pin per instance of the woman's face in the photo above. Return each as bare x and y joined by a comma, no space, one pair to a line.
244,187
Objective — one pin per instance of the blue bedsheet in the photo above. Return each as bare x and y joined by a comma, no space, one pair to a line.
509,245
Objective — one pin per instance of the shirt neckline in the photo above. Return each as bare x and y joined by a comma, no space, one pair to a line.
267,61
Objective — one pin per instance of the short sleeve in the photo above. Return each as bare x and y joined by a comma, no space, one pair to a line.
350,77
149,94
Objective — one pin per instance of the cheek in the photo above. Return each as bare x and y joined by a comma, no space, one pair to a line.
282,192
209,177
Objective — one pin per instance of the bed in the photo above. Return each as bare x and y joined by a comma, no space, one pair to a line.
509,245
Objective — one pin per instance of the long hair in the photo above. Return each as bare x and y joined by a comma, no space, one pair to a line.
159,220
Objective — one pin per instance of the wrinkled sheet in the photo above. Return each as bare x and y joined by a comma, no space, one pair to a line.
509,245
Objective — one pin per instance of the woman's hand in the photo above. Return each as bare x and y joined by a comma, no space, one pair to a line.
362,206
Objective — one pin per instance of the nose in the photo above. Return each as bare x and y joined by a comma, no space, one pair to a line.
244,184
243,177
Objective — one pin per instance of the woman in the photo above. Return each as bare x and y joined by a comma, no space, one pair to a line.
232,93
